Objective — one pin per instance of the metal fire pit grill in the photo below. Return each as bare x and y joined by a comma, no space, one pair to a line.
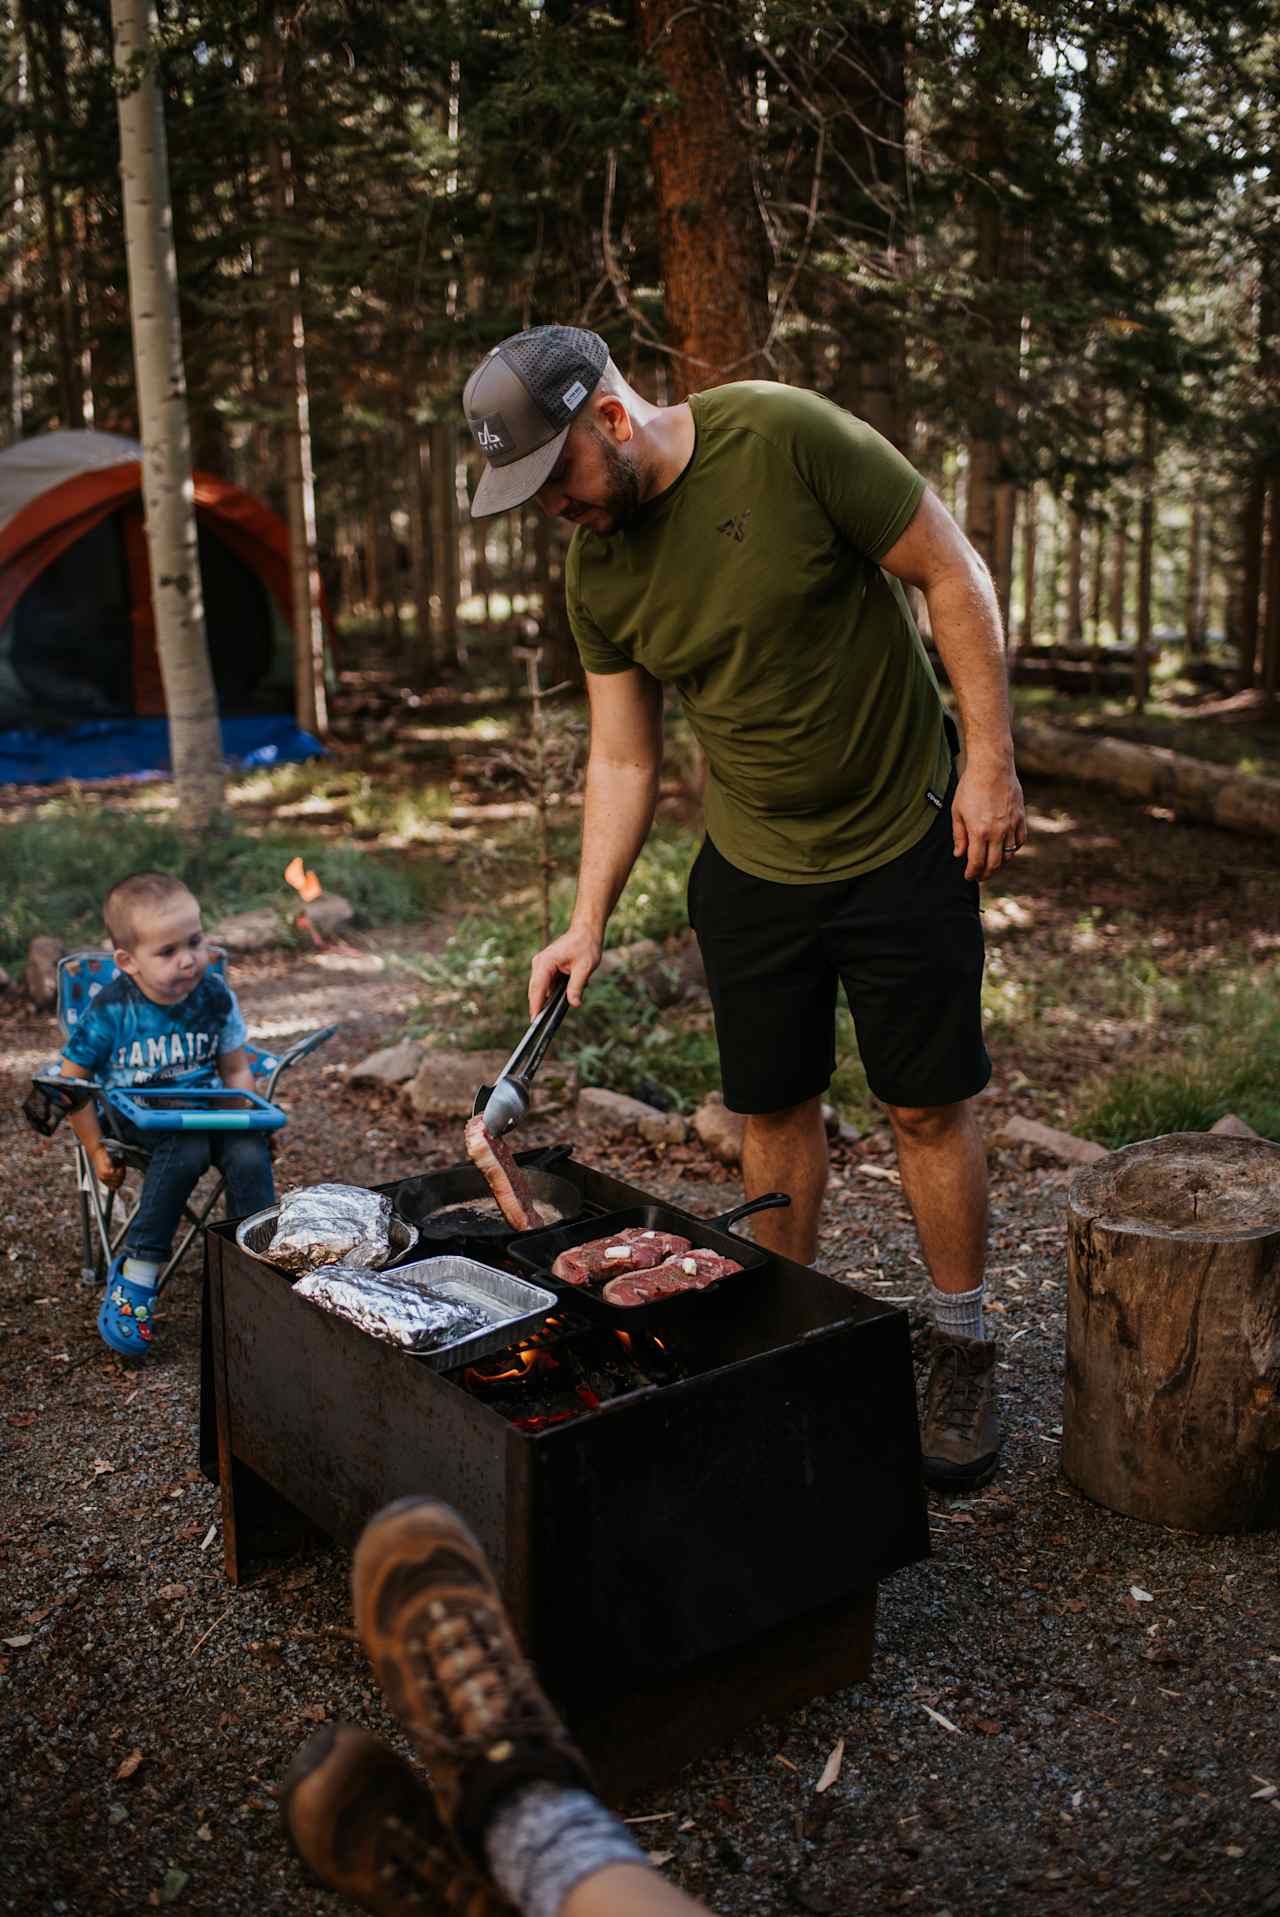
687,1537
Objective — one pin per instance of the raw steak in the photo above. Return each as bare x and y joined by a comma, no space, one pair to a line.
645,1287
634,1249
502,1175
691,1270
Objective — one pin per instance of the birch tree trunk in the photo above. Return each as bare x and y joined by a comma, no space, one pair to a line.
195,742
310,700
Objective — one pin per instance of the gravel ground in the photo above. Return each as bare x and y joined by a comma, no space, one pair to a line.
1066,1709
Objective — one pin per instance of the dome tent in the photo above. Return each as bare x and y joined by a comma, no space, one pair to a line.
77,637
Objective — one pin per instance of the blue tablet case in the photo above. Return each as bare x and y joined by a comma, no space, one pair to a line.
193,1108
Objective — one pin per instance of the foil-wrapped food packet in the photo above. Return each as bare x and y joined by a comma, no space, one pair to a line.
392,1306
329,1225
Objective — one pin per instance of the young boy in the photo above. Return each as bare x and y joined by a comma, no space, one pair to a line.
166,1019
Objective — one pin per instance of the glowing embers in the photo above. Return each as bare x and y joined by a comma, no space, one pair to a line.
565,1371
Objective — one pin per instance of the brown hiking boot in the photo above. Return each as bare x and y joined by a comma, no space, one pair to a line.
430,1617
961,1439
366,1825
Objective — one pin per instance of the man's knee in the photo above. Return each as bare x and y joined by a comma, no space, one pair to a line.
930,1124
789,1118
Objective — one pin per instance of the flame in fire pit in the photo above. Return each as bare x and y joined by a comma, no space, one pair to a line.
305,883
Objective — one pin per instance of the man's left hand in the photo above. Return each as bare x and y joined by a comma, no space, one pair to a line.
988,819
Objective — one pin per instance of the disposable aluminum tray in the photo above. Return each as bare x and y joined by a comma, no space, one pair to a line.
515,1307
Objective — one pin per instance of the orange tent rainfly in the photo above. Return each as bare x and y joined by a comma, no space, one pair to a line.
77,640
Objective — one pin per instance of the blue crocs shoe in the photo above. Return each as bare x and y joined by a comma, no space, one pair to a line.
127,1315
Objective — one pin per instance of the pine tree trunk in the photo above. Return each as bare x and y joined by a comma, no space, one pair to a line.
998,261
293,401
1193,595
1075,577
1146,561
444,568
190,700
61,300
866,112
1252,520
1030,543
715,262
1096,578
1118,596
17,253
417,506
1271,628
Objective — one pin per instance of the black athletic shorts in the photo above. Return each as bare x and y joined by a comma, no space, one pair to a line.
905,941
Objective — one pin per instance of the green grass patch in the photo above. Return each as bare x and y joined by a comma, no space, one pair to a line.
57,865
1213,1049
620,1038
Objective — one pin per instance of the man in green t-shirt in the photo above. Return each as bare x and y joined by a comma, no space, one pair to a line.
748,546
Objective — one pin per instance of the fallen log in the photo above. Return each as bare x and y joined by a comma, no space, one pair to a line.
1216,793
1172,1406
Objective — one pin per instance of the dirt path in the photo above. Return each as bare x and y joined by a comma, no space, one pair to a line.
1033,1733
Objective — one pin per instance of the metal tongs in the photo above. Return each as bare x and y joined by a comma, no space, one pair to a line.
506,1104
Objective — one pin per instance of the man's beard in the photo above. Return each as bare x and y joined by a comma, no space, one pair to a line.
622,497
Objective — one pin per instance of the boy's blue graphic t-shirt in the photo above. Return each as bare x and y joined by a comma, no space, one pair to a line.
125,1038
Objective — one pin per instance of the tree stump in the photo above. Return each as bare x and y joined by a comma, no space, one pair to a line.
1172,1408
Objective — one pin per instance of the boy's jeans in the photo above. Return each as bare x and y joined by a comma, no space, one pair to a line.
177,1164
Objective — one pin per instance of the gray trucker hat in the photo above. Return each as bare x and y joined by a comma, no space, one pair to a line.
520,403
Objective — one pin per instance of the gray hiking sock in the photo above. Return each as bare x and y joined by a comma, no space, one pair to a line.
958,1314
545,1839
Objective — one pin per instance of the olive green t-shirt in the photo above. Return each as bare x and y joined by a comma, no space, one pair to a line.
752,585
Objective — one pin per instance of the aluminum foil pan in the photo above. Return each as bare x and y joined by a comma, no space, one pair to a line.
444,1311
254,1235
331,1224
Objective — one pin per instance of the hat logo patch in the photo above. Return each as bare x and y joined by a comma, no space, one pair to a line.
573,396
491,434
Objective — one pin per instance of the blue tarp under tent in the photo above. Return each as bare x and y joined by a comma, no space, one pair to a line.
80,689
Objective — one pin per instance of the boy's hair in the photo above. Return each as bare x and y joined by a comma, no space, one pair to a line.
140,892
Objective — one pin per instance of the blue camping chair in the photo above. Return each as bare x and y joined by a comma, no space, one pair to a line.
105,1216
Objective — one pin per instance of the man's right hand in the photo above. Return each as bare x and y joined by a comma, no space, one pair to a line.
105,1169
576,952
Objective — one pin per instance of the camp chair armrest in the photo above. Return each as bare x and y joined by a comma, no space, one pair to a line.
300,1050
74,1091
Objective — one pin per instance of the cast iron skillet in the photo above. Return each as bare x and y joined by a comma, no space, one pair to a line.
538,1251
421,1198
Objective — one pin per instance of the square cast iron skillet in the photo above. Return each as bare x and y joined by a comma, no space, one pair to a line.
538,1251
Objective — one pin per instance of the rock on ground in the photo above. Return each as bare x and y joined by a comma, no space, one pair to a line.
328,914
1064,1146
42,972
1231,1126
720,1130
256,931
445,1084
394,1065
605,1114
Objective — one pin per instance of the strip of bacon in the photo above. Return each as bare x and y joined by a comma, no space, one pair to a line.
503,1176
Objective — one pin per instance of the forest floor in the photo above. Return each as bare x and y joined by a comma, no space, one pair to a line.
1066,1710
